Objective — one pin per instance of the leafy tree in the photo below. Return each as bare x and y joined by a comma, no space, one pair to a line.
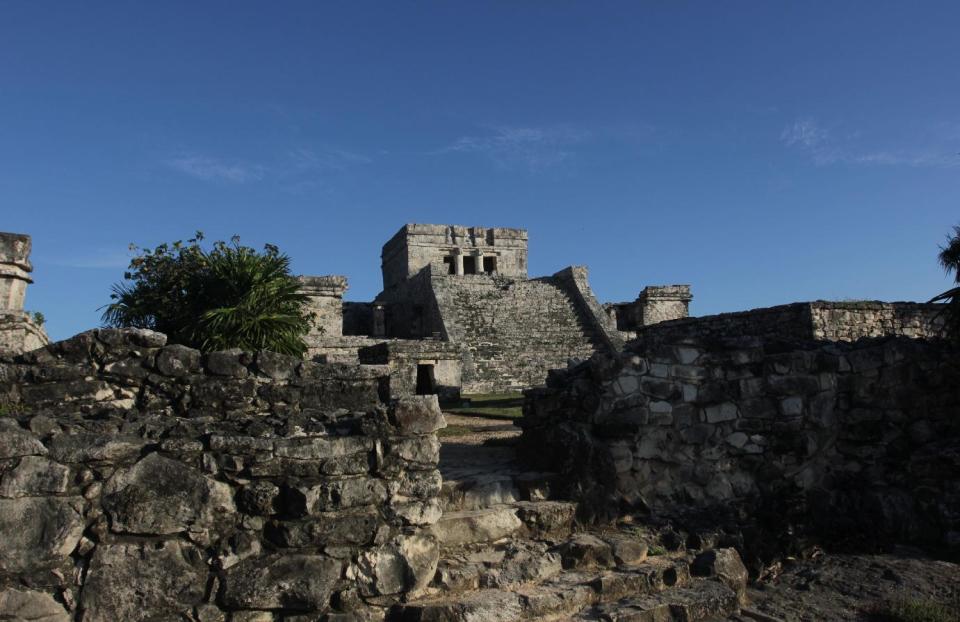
228,297
950,260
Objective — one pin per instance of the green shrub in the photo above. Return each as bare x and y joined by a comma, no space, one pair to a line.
228,297
950,261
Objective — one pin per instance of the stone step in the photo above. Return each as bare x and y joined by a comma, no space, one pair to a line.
652,592
700,601
532,519
482,490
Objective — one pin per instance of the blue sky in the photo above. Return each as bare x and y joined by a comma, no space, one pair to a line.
763,152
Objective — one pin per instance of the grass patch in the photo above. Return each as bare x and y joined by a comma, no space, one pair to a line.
454,430
914,610
656,549
491,405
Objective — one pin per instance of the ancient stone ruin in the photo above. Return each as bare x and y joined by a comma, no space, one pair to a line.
661,457
459,313
19,331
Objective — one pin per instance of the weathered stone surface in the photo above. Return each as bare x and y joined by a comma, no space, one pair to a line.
38,531
350,527
276,366
298,582
177,360
143,581
407,565
487,525
73,448
35,476
259,498
417,414
19,605
726,565
586,551
227,363
16,442
163,496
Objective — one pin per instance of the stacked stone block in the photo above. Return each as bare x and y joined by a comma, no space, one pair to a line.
844,438
19,331
806,321
144,481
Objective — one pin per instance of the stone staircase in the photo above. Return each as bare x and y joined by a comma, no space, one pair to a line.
510,551
515,330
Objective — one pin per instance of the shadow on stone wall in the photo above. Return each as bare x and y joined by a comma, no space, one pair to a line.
774,440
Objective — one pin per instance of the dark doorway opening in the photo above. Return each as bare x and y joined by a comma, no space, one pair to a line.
489,265
426,383
469,265
451,263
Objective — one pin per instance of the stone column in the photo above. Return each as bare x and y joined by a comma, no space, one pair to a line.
325,295
659,303
19,331
15,270
458,258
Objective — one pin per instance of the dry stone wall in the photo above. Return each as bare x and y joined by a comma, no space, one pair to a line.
844,439
513,330
145,481
805,321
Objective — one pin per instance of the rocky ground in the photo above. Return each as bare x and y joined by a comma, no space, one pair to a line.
543,567
855,587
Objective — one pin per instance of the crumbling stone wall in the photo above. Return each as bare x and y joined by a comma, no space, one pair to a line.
805,321
145,481
842,438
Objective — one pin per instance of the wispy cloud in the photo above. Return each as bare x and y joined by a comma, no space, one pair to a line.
826,147
300,166
213,169
329,159
530,148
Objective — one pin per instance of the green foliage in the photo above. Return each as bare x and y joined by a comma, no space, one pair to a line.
228,297
949,258
10,409
38,318
656,550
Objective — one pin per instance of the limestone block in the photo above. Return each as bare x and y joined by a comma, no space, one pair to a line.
276,366
163,496
143,581
338,493
16,442
35,476
727,411
350,527
423,450
30,606
791,406
407,564
726,565
302,582
177,360
417,414
38,531
586,551
87,447
259,498
227,363
318,448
